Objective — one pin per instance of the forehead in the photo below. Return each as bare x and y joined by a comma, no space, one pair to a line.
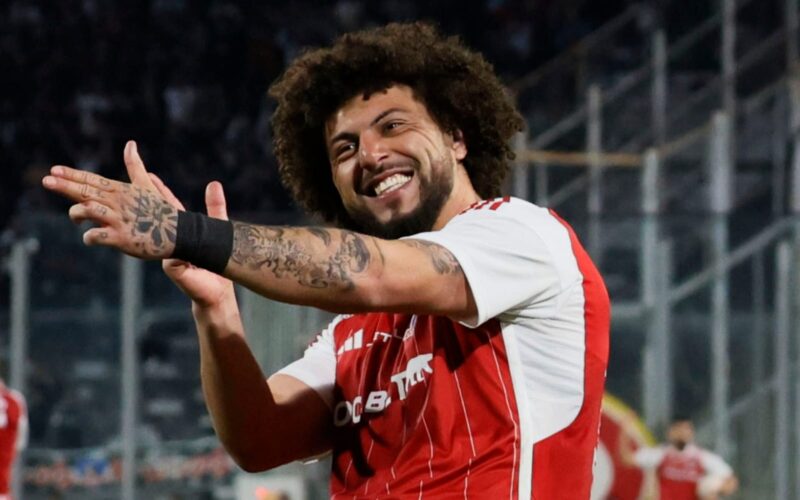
359,111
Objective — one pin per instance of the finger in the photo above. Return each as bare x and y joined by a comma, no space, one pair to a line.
215,201
166,192
100,236
135,166
82,177
76,191
93,211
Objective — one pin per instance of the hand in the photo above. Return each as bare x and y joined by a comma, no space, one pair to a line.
203,287
119,209
130,217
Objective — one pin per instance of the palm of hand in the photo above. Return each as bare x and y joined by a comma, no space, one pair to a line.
203,287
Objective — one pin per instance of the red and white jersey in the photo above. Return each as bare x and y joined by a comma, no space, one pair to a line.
13,432
680,471
506,405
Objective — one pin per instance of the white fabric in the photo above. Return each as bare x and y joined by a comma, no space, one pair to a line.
521,269
509,258
317,367
713,464
22,423
649,458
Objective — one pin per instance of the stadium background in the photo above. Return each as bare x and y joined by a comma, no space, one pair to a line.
666,132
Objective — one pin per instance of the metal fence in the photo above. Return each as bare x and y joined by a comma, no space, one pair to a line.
105,349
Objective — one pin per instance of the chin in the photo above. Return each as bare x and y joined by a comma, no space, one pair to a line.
419,214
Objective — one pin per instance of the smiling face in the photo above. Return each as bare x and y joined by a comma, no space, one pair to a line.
680,433
396,171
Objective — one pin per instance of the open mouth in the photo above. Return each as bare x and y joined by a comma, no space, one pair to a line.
391,184
383,186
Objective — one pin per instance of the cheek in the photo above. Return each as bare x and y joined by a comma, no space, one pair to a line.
342,176
339,174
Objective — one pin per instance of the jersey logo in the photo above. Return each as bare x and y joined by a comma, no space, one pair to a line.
414,373
354,341
351,411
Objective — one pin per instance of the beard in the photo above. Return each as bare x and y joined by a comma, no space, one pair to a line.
434,193
679,444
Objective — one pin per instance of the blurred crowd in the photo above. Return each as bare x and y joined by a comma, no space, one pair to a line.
188,79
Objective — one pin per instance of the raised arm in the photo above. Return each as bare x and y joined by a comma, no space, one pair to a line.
261,423
334,269
344,271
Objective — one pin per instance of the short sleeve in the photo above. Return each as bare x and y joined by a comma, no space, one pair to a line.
648,458
509,258
22,423
317,367
714,464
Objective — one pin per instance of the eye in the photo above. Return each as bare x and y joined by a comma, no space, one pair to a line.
391,125
345,150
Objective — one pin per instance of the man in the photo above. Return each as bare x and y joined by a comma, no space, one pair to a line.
684,470
470,356
13,434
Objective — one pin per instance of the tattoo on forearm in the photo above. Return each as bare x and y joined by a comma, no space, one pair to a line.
443,261
154,220
281,251
322,234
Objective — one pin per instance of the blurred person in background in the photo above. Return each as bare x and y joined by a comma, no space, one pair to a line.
13,434
684,470
471,351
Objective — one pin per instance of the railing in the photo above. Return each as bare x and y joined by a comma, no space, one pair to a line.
648,82
83,317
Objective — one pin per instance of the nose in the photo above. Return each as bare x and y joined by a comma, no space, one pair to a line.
371,150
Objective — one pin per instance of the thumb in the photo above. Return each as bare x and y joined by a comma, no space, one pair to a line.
215,201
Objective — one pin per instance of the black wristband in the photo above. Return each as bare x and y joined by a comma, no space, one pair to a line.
203,241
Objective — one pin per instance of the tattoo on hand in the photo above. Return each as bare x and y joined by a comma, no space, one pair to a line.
153,218
443,261
280,250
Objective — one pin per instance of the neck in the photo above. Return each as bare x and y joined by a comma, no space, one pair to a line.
462,196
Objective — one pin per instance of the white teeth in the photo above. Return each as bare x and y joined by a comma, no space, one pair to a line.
391,183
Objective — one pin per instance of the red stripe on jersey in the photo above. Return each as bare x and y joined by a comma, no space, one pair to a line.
562,463
497,204
457,419
471,207
493,204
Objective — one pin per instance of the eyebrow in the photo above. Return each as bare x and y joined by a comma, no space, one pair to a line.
351,135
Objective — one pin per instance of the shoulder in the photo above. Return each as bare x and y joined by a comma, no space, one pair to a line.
15,395
514,214
707,455
508,206
649,457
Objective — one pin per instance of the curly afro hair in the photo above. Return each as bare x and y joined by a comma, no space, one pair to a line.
457,86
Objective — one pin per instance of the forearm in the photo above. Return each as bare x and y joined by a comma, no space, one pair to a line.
333,269
347,272
236,394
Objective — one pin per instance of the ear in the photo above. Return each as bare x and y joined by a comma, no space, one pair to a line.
459,145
